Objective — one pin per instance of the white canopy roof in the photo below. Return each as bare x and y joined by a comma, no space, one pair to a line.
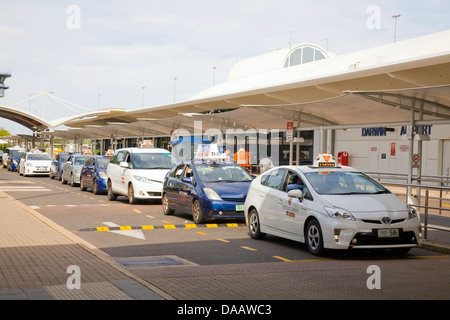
375,86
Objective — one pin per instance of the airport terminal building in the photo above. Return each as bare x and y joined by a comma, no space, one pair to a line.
384,109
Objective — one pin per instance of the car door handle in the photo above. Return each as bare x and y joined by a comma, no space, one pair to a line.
262,195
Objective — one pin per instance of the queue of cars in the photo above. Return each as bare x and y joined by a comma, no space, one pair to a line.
323,205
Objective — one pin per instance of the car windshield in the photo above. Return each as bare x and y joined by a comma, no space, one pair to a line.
39,156
153,161
102,163
222,173
64,157
79,161
344,182
17,155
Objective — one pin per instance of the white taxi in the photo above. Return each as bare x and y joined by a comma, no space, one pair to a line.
34,163
330,207
138,173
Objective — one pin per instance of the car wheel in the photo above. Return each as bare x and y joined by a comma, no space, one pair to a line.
82,187
94,187
197,212
254,225
72,183
314,239
111,195
63,181
165,204
131,198
59,176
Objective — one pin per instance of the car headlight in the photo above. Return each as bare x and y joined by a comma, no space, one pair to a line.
211,194
102,175
412,213
29,164
15,162
339,213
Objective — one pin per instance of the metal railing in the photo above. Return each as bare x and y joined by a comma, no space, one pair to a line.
429,198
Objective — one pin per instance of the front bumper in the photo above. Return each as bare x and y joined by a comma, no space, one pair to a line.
339,234
143,190
215,209
101,185
37,170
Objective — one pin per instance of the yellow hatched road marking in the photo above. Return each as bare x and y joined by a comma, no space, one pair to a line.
248,248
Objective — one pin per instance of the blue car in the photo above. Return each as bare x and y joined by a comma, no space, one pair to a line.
13,160
56,165
93,174
207,191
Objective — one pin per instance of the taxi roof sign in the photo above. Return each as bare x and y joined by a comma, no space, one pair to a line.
324,160
147,144
207,152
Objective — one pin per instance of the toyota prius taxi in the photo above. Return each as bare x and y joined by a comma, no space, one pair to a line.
327,206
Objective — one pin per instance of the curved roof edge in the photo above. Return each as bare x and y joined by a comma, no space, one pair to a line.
24,118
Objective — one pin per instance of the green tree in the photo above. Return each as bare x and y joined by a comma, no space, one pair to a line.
4,132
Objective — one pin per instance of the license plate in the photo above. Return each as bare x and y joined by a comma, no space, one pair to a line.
387,233
239,207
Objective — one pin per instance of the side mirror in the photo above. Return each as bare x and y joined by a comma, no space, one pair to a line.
296,193
186,180
124,165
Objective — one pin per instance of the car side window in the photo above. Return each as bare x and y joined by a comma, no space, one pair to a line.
178,172
294,181
275,179
188,173
120,157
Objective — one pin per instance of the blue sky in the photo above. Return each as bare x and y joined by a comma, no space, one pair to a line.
104,52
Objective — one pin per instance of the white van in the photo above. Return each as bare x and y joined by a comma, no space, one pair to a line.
138,173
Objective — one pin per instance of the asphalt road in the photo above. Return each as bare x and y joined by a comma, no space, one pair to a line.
221,261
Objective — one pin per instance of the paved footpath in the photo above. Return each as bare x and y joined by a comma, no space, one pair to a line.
40,260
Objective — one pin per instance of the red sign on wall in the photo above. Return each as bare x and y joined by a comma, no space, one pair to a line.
392,149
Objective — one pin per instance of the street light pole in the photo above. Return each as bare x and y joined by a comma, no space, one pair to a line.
395,25
174,88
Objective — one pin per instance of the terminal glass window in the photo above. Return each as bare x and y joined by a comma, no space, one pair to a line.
304,54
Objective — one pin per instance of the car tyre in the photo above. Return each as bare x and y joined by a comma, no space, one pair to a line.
72,182
63,181
197,212
131,198
165,204
314,238
82,187
111,195
94,187
254,225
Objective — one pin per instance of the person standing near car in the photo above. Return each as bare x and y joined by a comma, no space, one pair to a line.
243,159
